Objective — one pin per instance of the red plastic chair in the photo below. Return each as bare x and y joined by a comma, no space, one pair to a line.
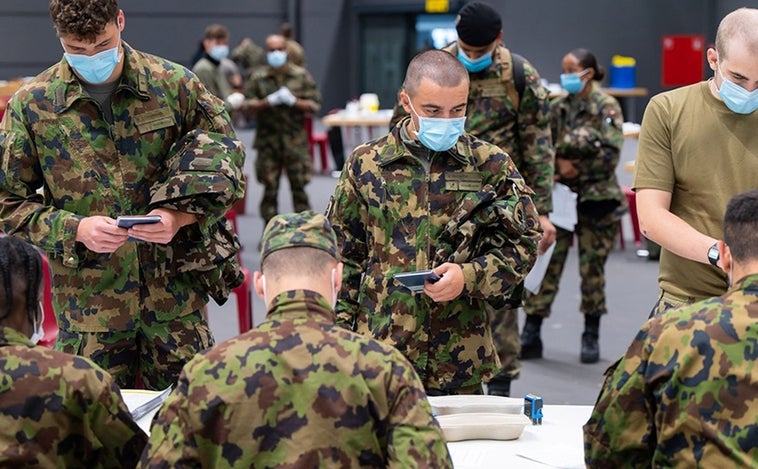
319,139
49,323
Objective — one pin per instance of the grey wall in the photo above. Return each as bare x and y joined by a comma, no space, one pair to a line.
541,30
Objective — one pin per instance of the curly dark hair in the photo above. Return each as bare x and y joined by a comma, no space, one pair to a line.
20,273
83,19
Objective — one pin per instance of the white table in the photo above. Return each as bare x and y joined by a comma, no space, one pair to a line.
558,442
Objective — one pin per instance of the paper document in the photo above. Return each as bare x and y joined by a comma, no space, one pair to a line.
564,207
533,280
143,404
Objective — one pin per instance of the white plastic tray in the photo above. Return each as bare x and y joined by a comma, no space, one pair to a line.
482,426
464,404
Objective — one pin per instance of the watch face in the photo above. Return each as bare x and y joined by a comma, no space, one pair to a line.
713,254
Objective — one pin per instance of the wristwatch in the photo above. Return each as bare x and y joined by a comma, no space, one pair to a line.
713,255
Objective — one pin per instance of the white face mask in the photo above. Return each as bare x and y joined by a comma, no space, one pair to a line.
334,290
39,332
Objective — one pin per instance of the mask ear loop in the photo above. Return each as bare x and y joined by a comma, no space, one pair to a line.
334,290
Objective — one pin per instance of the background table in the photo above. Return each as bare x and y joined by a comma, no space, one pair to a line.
558,442
359,127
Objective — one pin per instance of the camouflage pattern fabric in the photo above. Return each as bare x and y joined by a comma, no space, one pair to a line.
682,395
155,351
292,230
297,391
54,138
295,53
523,131
389,211
588,132
59,410
596,239
249,56
281,138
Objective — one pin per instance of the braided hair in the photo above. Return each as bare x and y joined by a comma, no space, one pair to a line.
20,263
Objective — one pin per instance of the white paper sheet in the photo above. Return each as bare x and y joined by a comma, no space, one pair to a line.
564,207
533,280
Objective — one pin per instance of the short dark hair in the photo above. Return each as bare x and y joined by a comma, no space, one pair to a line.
83,19
741,226
216,31
439,66
21,274
587,60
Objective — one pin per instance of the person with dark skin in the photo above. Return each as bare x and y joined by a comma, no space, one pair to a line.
56,409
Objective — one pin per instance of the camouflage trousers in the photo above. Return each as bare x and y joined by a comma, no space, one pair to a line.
154,351
595,238
505,334
269,165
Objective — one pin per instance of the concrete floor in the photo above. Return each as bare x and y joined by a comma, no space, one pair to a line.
559,377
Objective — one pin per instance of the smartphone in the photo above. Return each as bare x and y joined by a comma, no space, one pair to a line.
414,281
130,221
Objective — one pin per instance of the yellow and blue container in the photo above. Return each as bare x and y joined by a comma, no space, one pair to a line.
623,72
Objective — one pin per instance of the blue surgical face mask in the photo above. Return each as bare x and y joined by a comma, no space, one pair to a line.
476,65
737,98
95,68
438,134
276,58
219,52
572,82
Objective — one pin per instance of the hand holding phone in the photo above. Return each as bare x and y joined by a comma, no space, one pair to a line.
414,281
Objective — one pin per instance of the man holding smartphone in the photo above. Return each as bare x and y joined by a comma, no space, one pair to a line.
111,131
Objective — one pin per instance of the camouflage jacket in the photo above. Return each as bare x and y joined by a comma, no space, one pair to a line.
60,410
297,391
283,126
523,131
54,137
390,208
588,130
213,76
682,395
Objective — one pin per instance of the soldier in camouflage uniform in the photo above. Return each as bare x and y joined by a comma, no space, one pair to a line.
428,195
587,133
121,133
298,391
283,94
56,409
518,123
684,393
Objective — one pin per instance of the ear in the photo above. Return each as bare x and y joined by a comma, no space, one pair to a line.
258,283
120,20
404,99
713,58
725,256
338,276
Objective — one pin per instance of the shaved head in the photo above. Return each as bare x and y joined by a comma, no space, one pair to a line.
740,25
438,66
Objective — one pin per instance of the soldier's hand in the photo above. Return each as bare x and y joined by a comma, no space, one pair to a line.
275,98
165,230
286,96
449,286
548,234
235,100
100,234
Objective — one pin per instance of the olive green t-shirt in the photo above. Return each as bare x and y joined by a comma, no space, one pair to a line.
693,146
